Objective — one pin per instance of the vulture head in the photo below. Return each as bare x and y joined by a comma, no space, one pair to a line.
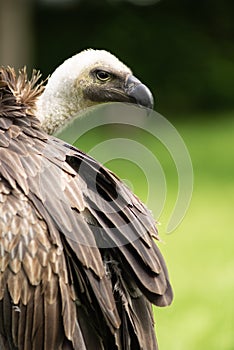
86,79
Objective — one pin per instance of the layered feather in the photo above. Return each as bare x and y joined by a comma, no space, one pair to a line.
78,264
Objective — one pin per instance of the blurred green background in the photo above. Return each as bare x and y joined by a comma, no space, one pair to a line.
184,51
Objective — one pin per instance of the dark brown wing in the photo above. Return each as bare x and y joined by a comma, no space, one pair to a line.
122,222
79,267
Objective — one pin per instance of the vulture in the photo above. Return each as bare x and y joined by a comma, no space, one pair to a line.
79,266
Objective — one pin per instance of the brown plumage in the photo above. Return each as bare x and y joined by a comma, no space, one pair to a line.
79,268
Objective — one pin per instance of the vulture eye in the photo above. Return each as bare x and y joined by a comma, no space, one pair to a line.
103,75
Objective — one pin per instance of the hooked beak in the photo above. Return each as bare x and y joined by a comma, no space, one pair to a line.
138,93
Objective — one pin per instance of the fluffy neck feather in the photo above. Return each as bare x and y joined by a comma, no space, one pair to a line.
60,100
57,104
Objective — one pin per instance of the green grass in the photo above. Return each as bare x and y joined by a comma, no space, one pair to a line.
200,252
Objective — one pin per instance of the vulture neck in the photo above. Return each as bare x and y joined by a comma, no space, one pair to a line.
62,97
58,103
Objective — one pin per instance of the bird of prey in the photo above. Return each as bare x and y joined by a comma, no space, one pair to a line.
79,266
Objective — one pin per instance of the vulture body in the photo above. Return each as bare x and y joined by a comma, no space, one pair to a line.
79,268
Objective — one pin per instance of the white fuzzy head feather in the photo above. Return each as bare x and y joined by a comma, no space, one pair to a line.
75,65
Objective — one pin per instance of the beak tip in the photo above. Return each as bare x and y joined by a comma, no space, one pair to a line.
139,93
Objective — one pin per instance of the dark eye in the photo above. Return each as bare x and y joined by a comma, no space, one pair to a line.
103,75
